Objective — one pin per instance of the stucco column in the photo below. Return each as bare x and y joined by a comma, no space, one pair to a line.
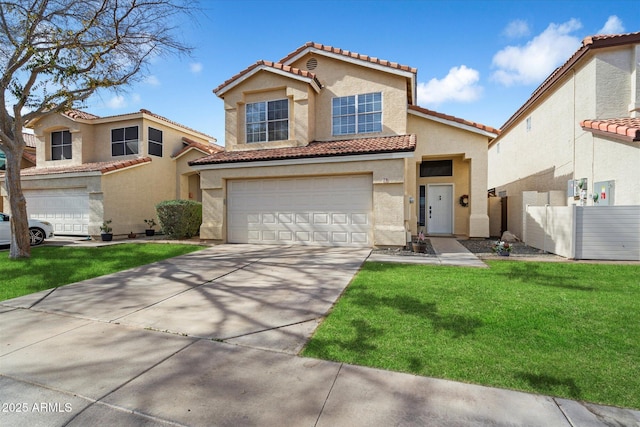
478,216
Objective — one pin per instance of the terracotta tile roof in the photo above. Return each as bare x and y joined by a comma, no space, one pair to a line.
385,144
627,129
454,119
588,44
268,64
190,144
77,114
29,156
102,167
29,139
346,53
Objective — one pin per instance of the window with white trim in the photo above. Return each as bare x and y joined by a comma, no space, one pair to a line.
155,142
268,121
61,145
124,141
357,114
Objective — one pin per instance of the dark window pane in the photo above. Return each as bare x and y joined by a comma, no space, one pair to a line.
155,135
436,168
117,135
155,149
132,147
131,133
56,153
117,149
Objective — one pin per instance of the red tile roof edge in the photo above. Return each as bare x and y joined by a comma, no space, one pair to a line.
102,167
275,65
191,144
588,44
77,114
407,143
627,129
454,119
348,54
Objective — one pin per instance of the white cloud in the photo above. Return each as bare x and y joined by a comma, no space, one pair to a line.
534,61
517,28
459,85
117,101
152,80
612,26
195,67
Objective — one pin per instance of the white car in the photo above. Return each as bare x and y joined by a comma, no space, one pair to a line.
38,230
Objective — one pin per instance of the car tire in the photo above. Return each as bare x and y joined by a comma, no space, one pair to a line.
36,236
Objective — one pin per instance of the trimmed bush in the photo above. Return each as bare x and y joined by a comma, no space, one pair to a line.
180,219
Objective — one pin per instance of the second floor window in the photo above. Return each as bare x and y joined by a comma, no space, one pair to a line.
61,145
357,114
124,141
155,142
268,121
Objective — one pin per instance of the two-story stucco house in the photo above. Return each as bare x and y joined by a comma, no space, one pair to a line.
90,169
328,147
583,121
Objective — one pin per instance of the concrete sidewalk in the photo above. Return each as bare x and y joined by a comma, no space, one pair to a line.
211,338
448,252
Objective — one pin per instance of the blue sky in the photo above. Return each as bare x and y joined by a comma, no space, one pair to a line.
478,60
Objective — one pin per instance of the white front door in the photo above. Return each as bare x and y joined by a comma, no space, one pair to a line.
440,209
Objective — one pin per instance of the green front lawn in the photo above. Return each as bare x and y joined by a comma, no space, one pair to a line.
569,330
52,266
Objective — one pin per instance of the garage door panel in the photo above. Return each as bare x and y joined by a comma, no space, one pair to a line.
66,209
321,210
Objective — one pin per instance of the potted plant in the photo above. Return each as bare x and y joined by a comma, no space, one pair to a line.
106,230
150,224
420,244
501,248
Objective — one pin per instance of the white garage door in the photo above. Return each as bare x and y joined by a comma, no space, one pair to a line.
330,211
67,210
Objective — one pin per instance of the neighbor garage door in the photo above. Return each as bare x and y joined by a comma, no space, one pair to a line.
330,211
67,210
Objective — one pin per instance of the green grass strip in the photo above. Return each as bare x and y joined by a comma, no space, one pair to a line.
569,330
53,266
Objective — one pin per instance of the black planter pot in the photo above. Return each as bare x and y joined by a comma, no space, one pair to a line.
150,232
106,237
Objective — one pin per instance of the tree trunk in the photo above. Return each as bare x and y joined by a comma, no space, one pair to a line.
20,242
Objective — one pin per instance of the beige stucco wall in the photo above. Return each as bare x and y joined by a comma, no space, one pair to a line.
342,78
468,150
556,149
267,86
310,112
388,193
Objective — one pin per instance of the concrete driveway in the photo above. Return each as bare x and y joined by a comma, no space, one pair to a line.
210,338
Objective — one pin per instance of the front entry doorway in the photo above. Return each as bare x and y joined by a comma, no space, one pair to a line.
439,209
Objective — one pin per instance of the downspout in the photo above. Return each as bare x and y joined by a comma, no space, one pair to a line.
574,123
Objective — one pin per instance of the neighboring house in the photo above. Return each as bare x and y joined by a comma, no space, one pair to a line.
327,147
90,169
582,122
28,158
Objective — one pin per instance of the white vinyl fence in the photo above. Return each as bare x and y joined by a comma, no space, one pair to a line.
585,232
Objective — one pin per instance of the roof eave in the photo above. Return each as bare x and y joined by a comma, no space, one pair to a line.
219,92
626,138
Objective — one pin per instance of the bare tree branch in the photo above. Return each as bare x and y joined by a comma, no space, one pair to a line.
54,54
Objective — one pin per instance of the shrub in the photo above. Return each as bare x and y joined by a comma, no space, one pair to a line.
180,219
